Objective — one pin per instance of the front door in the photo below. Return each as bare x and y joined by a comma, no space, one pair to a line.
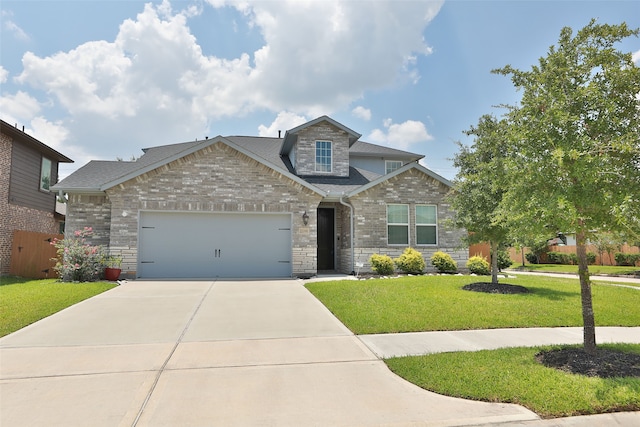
326,242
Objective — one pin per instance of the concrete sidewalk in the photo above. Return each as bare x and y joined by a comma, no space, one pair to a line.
212,353
417,343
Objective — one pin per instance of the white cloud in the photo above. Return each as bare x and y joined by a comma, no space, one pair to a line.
19,107
15,30
636,57
362,113
285,121
401,136
153,84
4,73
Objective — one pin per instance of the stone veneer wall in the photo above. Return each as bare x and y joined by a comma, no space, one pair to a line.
14,217
306,150
214,179
412,187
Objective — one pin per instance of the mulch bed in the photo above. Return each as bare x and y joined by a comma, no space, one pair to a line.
495,288
604,364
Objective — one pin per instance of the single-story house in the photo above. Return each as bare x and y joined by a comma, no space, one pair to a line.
315,200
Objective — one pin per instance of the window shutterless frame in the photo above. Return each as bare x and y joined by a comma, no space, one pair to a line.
427,225
391,165
397,224
45,174
324,156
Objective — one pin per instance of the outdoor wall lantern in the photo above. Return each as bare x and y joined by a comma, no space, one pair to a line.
305,218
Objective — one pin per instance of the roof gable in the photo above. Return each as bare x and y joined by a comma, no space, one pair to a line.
18,135
291,135
397,172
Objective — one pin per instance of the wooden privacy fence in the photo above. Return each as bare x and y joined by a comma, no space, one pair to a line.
31,254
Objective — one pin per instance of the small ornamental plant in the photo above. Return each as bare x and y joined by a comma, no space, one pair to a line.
478,265
381,264
443,262
79,261
410,262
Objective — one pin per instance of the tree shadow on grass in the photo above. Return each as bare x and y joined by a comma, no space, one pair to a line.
552,294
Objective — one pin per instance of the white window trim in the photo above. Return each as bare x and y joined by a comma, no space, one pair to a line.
42,161
426,225
315,156
386,165
407,224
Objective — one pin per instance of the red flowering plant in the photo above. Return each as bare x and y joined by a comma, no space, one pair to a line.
79,261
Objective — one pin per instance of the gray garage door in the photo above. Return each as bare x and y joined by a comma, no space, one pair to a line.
199,245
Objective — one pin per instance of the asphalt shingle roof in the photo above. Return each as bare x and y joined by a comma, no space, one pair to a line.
95,174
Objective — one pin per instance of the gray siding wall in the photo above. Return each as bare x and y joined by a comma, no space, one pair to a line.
306,149
411,187
24,186
214,179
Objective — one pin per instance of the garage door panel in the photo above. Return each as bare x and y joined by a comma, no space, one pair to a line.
192,245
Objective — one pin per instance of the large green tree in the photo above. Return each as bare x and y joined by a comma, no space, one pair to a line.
480,184
575,144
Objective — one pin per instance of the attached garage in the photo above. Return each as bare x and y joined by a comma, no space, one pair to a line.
214,245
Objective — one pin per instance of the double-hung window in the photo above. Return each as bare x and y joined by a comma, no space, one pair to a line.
323,156
426,225
391,165
45,174
398,224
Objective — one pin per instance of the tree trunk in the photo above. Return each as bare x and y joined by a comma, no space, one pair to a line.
589,329
494,262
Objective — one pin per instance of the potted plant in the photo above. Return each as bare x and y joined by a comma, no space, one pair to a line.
112,270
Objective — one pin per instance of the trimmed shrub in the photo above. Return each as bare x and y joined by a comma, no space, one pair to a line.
562,258
627,259
504,260
532,258
478,265
410,262
591,258
381,264
443,262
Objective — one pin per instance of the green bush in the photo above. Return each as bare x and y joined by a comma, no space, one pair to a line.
410,262
591,258
381,264
504,260
562,258
532,258
478,265
443,262
627,259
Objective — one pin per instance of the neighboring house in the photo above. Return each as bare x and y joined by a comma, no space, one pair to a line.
28,168
316,200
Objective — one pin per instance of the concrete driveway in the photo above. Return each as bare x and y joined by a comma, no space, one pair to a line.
232,353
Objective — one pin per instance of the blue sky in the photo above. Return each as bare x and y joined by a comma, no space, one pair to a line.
104,79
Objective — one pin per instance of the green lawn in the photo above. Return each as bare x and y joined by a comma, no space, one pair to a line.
24,301
437,303
593,269
514,376
506,375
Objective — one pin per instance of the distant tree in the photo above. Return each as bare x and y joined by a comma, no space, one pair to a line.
606,242
479,186
575,154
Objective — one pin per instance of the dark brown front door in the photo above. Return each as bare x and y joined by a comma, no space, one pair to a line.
326,243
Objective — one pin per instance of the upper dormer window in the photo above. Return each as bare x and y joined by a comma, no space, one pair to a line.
45,174
391,165
324,156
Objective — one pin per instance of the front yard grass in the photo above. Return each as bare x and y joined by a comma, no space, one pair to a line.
25,301
512,375
437,303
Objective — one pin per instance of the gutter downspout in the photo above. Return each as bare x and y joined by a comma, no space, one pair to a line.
353,271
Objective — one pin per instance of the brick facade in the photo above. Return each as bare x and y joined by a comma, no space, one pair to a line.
306,149
214,179
412,188
14,217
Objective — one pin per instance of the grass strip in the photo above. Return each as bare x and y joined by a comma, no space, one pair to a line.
438,303
573,269
24,301
514,376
